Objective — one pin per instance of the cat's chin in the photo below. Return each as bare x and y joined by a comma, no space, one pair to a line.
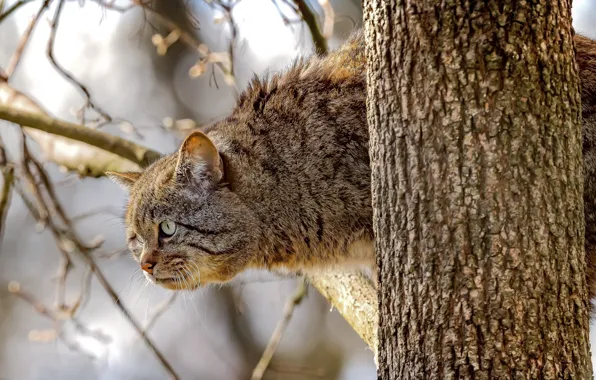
174,283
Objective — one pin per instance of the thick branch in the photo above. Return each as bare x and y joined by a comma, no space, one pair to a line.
355,297
71,154
105,141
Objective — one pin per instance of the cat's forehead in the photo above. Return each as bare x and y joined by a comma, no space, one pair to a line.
151,190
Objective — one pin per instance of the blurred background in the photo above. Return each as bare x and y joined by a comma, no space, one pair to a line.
214,333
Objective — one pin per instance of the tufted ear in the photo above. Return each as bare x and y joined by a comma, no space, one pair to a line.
198,159
126,180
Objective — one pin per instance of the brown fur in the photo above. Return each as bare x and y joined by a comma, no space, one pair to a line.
295,192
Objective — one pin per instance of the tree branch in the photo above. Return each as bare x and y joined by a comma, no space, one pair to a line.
5,195
262,365
355,297
71,154
16,57
309,17
13,8
68,75
110,143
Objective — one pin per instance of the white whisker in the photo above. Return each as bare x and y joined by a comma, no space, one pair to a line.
141,293
192,301
147,307
129,283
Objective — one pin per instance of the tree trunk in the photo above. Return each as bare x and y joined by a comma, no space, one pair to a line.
474,116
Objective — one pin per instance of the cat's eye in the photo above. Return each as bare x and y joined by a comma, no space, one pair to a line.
167,227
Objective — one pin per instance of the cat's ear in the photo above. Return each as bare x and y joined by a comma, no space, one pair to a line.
126,180
198,159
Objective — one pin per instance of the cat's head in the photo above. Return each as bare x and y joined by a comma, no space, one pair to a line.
184,224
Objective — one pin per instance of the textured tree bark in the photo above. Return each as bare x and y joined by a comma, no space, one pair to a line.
474,115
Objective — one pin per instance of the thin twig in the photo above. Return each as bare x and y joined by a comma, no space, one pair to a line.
45,217
66,74
116,300
114,254
101,210
262,365
13,8
68,241
180,35
83,296
297,370
16,57
5,196
227,9
160,309
15,288
7,185
86,254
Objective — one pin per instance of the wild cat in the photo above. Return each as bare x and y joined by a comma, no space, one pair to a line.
284,181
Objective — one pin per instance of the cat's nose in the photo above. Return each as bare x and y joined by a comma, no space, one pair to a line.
148,263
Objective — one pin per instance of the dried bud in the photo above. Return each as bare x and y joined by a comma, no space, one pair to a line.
198,69
168,122
14,287
229,79
157,39
126,127
203,49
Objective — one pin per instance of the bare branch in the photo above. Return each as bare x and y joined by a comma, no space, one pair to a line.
177,34
329,18
355,297
105,141
297,370
160,309
309,17
15,288
262,365
70,154
66,74
83,296
14,7
101,210
16,57
5,195
62,236
227,9
7,185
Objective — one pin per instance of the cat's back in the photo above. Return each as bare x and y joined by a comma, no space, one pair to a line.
297,146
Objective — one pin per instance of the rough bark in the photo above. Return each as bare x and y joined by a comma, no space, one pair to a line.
474,115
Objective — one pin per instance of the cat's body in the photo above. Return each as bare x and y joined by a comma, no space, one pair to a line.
299,161
290,186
